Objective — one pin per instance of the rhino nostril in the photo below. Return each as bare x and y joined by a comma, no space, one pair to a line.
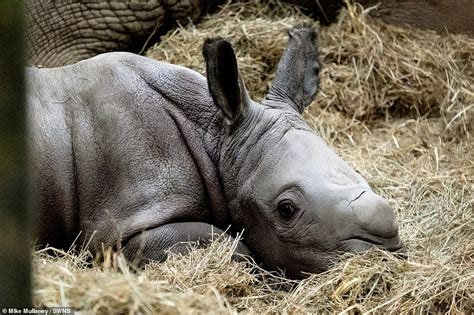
374,215
360,195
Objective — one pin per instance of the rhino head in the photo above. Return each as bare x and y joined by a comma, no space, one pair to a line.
299,204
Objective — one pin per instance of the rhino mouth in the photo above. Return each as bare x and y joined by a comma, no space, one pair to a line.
363,243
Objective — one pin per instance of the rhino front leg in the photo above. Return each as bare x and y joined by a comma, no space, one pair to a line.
153,245
64,32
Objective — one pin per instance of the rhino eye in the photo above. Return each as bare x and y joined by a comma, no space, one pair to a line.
286,209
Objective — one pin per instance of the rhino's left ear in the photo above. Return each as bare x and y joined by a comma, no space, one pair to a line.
297,78
223,78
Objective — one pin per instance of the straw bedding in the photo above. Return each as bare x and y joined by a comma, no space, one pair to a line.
398,105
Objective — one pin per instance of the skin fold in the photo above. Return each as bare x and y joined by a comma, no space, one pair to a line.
142,155
61,33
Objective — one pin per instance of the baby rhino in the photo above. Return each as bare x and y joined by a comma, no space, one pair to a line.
141,155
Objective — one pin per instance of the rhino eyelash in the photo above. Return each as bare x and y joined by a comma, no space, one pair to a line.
290,188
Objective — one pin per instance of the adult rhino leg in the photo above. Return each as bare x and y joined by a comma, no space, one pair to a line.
153,244
453,16
63,32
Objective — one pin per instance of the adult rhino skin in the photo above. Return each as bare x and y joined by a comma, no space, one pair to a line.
64,32
142,155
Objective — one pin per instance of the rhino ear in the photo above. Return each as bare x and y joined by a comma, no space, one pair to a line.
297,78
225,85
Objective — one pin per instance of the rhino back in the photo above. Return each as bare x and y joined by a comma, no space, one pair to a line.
110,156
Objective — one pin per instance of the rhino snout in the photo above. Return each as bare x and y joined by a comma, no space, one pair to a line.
377,218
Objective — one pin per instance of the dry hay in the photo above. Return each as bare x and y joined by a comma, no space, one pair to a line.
370,67
389,96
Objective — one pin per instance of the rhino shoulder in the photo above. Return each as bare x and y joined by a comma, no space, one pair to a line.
175,82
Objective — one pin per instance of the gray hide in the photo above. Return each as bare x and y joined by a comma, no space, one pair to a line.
64,32
144,155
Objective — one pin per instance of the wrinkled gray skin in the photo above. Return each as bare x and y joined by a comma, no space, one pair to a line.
64,32
61,32
144,155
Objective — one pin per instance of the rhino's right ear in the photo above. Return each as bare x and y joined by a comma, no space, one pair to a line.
223,78
296,80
